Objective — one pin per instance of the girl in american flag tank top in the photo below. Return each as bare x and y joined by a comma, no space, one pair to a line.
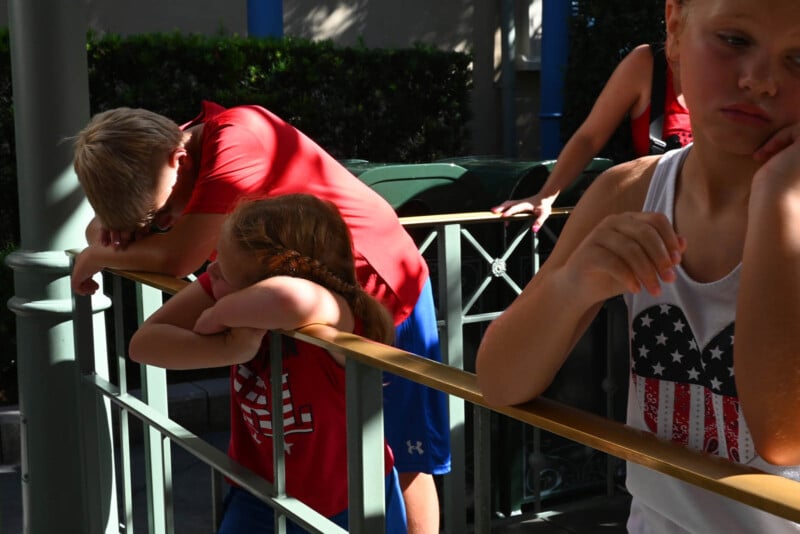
703,243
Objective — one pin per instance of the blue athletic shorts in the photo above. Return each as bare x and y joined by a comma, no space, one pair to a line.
245,513
416,420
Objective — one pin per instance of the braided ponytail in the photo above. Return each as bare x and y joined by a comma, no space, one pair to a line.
302,236
378,323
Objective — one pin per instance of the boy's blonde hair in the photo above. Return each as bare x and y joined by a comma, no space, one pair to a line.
118,158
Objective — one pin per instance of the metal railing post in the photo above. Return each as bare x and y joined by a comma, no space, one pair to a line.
121,358
482,471
276,417
97,446
365,439
452,342
158,471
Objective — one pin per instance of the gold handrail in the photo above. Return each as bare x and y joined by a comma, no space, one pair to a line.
765,491
471,217
772,493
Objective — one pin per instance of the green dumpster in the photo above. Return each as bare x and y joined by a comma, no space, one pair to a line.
421,188
467,183
507,178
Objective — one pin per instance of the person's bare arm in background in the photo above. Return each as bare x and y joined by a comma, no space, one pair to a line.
627,92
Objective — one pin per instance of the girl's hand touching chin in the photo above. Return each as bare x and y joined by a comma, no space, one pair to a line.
780,156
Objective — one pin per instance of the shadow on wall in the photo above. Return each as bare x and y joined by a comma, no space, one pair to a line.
443,24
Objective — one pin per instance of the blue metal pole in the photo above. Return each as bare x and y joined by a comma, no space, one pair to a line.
555,49
508,78
265,18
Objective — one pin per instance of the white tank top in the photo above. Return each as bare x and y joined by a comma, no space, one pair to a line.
682,389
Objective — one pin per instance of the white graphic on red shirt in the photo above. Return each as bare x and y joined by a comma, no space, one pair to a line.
254,398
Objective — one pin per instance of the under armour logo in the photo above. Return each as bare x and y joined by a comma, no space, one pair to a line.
415,447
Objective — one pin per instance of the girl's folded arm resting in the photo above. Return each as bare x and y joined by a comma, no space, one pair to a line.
277,302
167,340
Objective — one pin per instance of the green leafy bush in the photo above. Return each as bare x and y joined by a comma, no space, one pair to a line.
403,105
9,212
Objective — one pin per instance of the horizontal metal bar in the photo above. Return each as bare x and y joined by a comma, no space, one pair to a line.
299,512
474,217
772,493
765,491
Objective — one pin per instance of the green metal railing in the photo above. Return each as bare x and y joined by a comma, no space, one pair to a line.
444,234
366,361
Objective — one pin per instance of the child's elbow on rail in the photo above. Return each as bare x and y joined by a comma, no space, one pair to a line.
502,388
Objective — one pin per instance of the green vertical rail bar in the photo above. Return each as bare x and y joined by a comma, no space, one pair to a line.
121,358
452,343
166,481
217,498
276,417
365,441
158,472
97,460
482,469
47,40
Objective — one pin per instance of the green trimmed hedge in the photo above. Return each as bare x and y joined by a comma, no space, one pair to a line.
405,105
8,332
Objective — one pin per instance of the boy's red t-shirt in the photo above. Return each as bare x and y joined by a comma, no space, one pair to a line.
248,151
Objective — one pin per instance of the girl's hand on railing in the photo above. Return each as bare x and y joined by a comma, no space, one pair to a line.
208,322
541,206
243,343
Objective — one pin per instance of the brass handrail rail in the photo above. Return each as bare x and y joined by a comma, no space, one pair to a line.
765,491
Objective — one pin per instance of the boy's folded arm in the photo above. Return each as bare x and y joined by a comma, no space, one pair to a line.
95,258
187,245
177,252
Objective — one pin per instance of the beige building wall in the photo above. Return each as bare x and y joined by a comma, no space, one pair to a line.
463,25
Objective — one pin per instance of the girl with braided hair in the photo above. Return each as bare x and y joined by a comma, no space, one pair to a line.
282,263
